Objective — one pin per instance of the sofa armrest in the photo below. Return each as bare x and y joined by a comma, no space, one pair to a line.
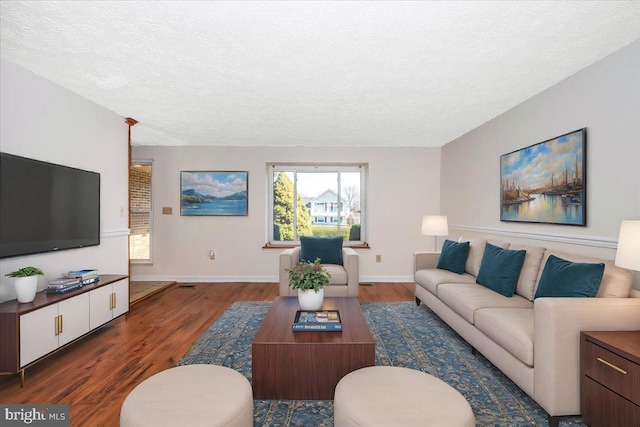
557,326
288,258
351,264
423,260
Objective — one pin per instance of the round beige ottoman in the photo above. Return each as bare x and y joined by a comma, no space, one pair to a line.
393,396
190,395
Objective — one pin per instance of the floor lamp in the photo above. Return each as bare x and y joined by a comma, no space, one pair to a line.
435,225
628,252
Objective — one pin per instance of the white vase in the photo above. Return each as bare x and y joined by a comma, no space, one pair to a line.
310,299
26,288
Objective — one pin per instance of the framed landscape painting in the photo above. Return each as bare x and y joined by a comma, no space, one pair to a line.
215,193
546,182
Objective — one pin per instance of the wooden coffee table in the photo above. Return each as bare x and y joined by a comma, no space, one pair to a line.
289,365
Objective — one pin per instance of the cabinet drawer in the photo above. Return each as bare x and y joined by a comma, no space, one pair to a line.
613,371
604,408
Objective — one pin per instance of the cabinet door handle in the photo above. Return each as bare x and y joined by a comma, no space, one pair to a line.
611,365
58,324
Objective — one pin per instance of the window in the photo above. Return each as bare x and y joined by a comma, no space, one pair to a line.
140,220
329,201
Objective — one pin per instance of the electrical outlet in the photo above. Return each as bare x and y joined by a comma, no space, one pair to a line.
378,258
212,255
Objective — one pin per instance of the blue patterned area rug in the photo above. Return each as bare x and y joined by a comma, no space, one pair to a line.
405,335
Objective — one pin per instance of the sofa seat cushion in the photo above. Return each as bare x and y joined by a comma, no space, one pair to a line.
431,278
466,299
338,274
511,328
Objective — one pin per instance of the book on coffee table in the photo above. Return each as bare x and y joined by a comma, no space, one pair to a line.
321,320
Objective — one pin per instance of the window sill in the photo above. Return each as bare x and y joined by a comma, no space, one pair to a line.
269,245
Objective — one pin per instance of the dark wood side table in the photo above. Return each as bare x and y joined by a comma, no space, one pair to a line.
610,378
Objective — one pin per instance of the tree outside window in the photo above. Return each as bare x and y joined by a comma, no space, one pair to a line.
285,216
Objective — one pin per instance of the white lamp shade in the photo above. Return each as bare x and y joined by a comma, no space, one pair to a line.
628,253
435,225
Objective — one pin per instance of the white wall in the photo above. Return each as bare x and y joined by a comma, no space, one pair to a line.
604,98
41,120
403,186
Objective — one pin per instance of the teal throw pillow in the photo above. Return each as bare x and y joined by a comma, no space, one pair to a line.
500,269
453,256
328,249
562,278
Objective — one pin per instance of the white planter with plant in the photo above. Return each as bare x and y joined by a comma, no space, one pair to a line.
309,278
26,283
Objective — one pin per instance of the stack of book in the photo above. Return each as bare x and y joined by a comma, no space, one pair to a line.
322,320
62,285
86,277
72,280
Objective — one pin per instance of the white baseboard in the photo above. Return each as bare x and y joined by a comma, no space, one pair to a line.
390,279
206,279
257,279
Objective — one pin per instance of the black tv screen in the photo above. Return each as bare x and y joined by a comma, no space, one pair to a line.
46,207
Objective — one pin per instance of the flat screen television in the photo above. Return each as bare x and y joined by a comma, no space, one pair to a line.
46,207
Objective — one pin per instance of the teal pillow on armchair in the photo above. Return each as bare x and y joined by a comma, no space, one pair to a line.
328,249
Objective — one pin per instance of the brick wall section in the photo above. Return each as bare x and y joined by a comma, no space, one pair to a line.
140,182
140,187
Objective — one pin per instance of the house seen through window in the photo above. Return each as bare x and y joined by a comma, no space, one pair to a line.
326,200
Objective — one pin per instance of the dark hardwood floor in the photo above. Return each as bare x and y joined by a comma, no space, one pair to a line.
95,374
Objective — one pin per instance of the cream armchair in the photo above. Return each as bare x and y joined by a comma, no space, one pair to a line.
344,278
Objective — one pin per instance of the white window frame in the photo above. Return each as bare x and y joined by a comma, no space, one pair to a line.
146,162
273,168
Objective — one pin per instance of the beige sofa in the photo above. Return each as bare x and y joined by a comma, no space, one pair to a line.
344,278
534,342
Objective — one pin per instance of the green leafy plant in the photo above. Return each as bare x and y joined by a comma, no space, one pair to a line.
26,272
308,275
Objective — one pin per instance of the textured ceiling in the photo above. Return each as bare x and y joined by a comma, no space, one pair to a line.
311,73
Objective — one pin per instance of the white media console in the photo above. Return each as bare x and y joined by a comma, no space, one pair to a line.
31,331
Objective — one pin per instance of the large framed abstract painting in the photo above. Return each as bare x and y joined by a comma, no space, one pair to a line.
214,193
546,182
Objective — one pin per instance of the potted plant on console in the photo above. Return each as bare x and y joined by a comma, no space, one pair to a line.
26,283
309,278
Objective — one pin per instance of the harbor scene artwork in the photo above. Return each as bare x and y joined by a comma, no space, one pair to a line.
214,193
546,182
